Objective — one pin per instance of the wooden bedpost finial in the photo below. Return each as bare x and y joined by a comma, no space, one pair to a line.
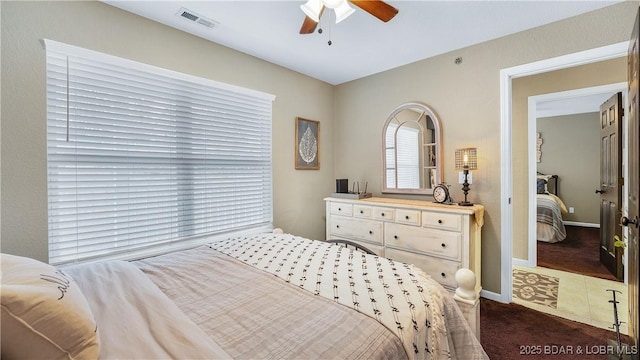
468,299
466,281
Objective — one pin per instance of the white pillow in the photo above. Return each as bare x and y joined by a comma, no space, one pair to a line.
546,179
44,314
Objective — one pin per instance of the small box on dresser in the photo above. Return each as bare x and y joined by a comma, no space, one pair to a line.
439,239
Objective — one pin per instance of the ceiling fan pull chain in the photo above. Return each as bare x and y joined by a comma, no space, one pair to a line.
330,22
321,22
324,20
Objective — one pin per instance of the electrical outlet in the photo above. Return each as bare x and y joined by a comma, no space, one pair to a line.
461,177
571,210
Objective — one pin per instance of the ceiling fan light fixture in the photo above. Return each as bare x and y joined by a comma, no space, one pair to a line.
333,4
343,11
312,9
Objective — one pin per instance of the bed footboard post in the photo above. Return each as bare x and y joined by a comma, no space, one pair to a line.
468,298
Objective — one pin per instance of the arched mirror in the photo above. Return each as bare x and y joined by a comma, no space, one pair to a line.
411,139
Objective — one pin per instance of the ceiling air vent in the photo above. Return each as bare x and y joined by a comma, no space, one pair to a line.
192,16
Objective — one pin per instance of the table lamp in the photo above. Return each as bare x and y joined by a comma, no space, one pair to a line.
466,159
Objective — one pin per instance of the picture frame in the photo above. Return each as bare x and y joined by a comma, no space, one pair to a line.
307,149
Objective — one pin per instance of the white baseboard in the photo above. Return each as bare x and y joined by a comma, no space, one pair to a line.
521,262
575,223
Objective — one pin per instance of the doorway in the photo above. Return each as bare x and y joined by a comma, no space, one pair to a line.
568,122
560,105
506,76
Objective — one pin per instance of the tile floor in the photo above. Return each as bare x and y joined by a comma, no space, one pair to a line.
583,299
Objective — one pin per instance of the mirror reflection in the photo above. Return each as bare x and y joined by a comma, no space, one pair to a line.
411,141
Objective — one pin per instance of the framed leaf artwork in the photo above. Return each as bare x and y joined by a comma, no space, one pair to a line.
307,144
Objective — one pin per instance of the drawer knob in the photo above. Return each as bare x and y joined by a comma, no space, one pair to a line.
439,221
361,212
407,217
337,226
339,209
443,275
382,214
370,232
443,245
395,236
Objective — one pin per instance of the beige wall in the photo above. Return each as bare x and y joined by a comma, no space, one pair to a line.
298,204
571,150
465,96
600,73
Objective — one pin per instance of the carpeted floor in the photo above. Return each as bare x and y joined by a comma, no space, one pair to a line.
579,253
512,331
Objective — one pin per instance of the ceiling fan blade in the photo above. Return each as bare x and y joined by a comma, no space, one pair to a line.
308,26
377,8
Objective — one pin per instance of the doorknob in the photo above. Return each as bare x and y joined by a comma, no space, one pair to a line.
625,221
600,191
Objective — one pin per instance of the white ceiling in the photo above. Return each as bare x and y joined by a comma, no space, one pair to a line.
575,105
361,45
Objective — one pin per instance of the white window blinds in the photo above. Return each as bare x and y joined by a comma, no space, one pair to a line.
403,164
142,159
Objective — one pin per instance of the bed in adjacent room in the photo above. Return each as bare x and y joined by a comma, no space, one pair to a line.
266,296
550,208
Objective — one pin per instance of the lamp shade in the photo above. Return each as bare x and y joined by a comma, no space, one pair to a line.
466,159
343,11
333,4
312,9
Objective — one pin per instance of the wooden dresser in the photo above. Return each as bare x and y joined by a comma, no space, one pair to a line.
439,239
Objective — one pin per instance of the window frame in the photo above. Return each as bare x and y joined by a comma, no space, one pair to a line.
264,101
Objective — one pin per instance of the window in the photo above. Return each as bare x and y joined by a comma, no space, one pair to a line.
407,168
142,159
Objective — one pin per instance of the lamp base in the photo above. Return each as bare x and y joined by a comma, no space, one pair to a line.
465,188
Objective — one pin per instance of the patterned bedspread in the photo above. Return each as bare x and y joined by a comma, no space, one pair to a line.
204,304
550,213
253,315
398,295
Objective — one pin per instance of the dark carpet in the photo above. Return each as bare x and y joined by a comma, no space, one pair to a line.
512,331
579,253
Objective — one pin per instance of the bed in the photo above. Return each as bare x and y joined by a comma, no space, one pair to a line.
265,296
550,208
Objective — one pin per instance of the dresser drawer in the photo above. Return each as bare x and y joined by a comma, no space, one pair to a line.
442,271
410,217
381,213
433,242
341,208
350,228
442,221
362,211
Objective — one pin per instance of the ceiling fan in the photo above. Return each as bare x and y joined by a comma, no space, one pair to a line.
313,10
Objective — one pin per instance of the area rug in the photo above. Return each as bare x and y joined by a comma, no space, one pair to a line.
536,288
